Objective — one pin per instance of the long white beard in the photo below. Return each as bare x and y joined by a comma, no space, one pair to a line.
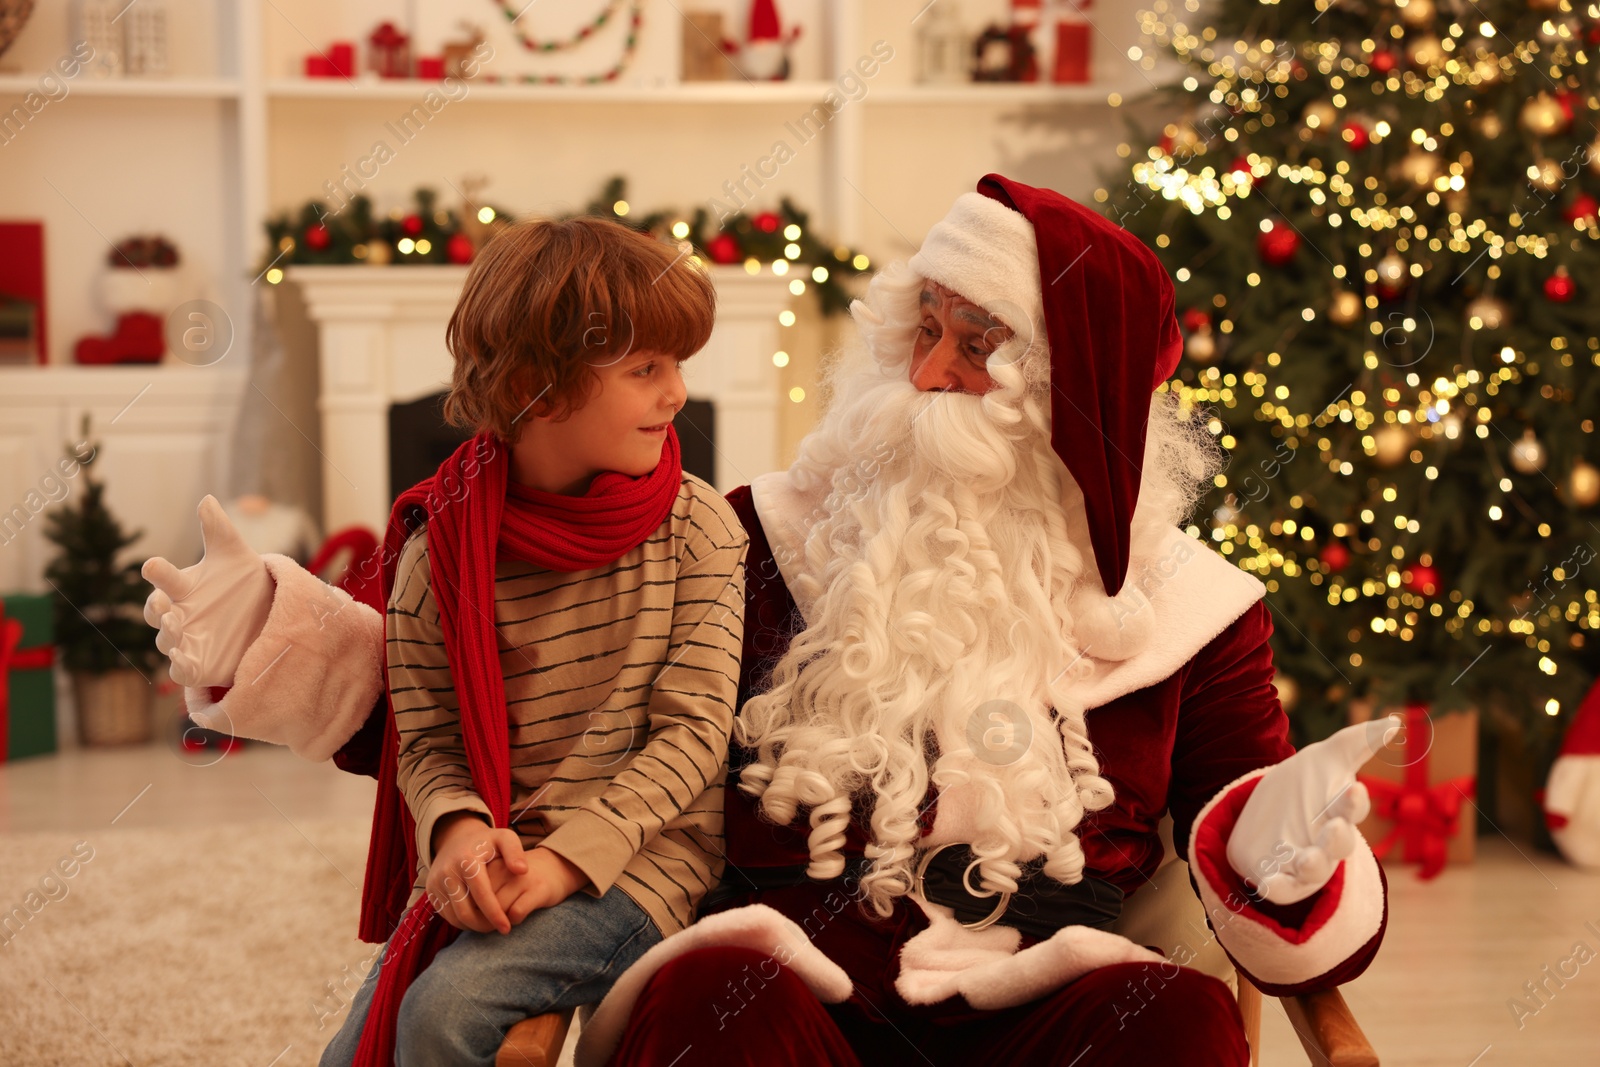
939,640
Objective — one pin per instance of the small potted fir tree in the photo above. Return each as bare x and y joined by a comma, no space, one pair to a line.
104,642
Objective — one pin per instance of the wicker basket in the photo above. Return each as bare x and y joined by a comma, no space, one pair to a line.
114,708
13,13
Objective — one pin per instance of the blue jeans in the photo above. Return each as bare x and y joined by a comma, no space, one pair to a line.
480,985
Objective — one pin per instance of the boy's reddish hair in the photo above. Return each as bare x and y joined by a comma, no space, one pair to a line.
547,301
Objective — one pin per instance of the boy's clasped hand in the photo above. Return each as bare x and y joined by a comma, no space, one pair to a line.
482,880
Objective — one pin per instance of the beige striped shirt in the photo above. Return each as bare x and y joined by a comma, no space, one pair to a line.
620,687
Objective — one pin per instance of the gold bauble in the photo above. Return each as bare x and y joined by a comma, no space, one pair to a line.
1421,167
1490,125
379,253
1542,116
1527,453
1584,484
1546,174
1345,308
1415,12
1201,346
1490,313
1288,691
1425,52
1392,271
1393,445
1320,115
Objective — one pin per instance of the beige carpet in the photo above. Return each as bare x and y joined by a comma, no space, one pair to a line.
214,946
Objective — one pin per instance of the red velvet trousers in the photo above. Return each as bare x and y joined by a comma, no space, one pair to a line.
732,1006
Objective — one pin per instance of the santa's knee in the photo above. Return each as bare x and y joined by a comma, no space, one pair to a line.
725,988
1162,1009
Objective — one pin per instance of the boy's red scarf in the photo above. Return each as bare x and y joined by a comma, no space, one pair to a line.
476,515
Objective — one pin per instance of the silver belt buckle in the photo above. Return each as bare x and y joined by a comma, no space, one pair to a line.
983,923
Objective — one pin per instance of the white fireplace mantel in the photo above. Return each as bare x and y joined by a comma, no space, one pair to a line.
381,332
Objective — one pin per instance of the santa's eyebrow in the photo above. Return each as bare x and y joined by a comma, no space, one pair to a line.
978,318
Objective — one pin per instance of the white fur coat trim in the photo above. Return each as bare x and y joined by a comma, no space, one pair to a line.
754,926
312,677
1258,948
985,967
1573,791
1193,592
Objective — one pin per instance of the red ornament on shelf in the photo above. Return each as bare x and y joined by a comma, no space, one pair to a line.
724,248
412,225
389,52
1583,208
766,222
1422,579
1277,244
1355,135
1335,556
1559,288
317,237
459,249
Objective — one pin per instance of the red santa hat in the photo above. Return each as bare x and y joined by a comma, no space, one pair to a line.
1030,255
1572,792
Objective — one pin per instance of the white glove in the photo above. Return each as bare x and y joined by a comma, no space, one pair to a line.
1300,821
208,614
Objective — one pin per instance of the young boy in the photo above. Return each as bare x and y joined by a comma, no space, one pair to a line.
563,639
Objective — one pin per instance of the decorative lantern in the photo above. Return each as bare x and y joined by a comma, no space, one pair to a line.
389,52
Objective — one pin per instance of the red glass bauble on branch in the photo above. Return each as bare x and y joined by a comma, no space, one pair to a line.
1240,169
1194,319
459,249
1383,62
412,225
1559,288
1335,556
317,237
724,248
1277,244
1423,579
1571,103
1355,135
766,222
1584,208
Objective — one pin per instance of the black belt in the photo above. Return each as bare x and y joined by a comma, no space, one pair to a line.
1040,906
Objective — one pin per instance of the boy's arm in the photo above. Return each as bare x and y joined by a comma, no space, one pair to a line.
432,770
690,713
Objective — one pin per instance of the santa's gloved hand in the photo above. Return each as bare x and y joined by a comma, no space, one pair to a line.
208,614
1301,819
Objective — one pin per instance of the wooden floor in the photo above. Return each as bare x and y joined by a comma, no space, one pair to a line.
1457,958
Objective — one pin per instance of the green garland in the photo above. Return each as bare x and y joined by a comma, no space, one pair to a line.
312,236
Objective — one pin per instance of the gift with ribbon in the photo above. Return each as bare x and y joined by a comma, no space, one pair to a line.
27,683
1421,792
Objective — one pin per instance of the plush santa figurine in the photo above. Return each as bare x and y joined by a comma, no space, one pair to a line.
982,660
764,54
1572,792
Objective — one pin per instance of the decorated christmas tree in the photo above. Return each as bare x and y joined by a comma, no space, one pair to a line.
99,622
1381,222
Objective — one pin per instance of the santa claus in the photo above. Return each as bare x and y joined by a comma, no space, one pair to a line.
982,660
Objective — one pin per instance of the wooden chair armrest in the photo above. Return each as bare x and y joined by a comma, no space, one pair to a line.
535,1042
1329,1030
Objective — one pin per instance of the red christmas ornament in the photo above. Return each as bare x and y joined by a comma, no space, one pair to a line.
724,248
412,225
1571,103
1165,144
1195,320
1382,62
1240,169
1335,556
766,222
317,237
1277,244
1355,135
1583,208
459,249
1422,579
1559,288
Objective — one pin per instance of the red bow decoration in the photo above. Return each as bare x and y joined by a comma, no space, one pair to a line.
13,658
1423,816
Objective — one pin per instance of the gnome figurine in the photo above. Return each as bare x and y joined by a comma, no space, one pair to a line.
764,56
